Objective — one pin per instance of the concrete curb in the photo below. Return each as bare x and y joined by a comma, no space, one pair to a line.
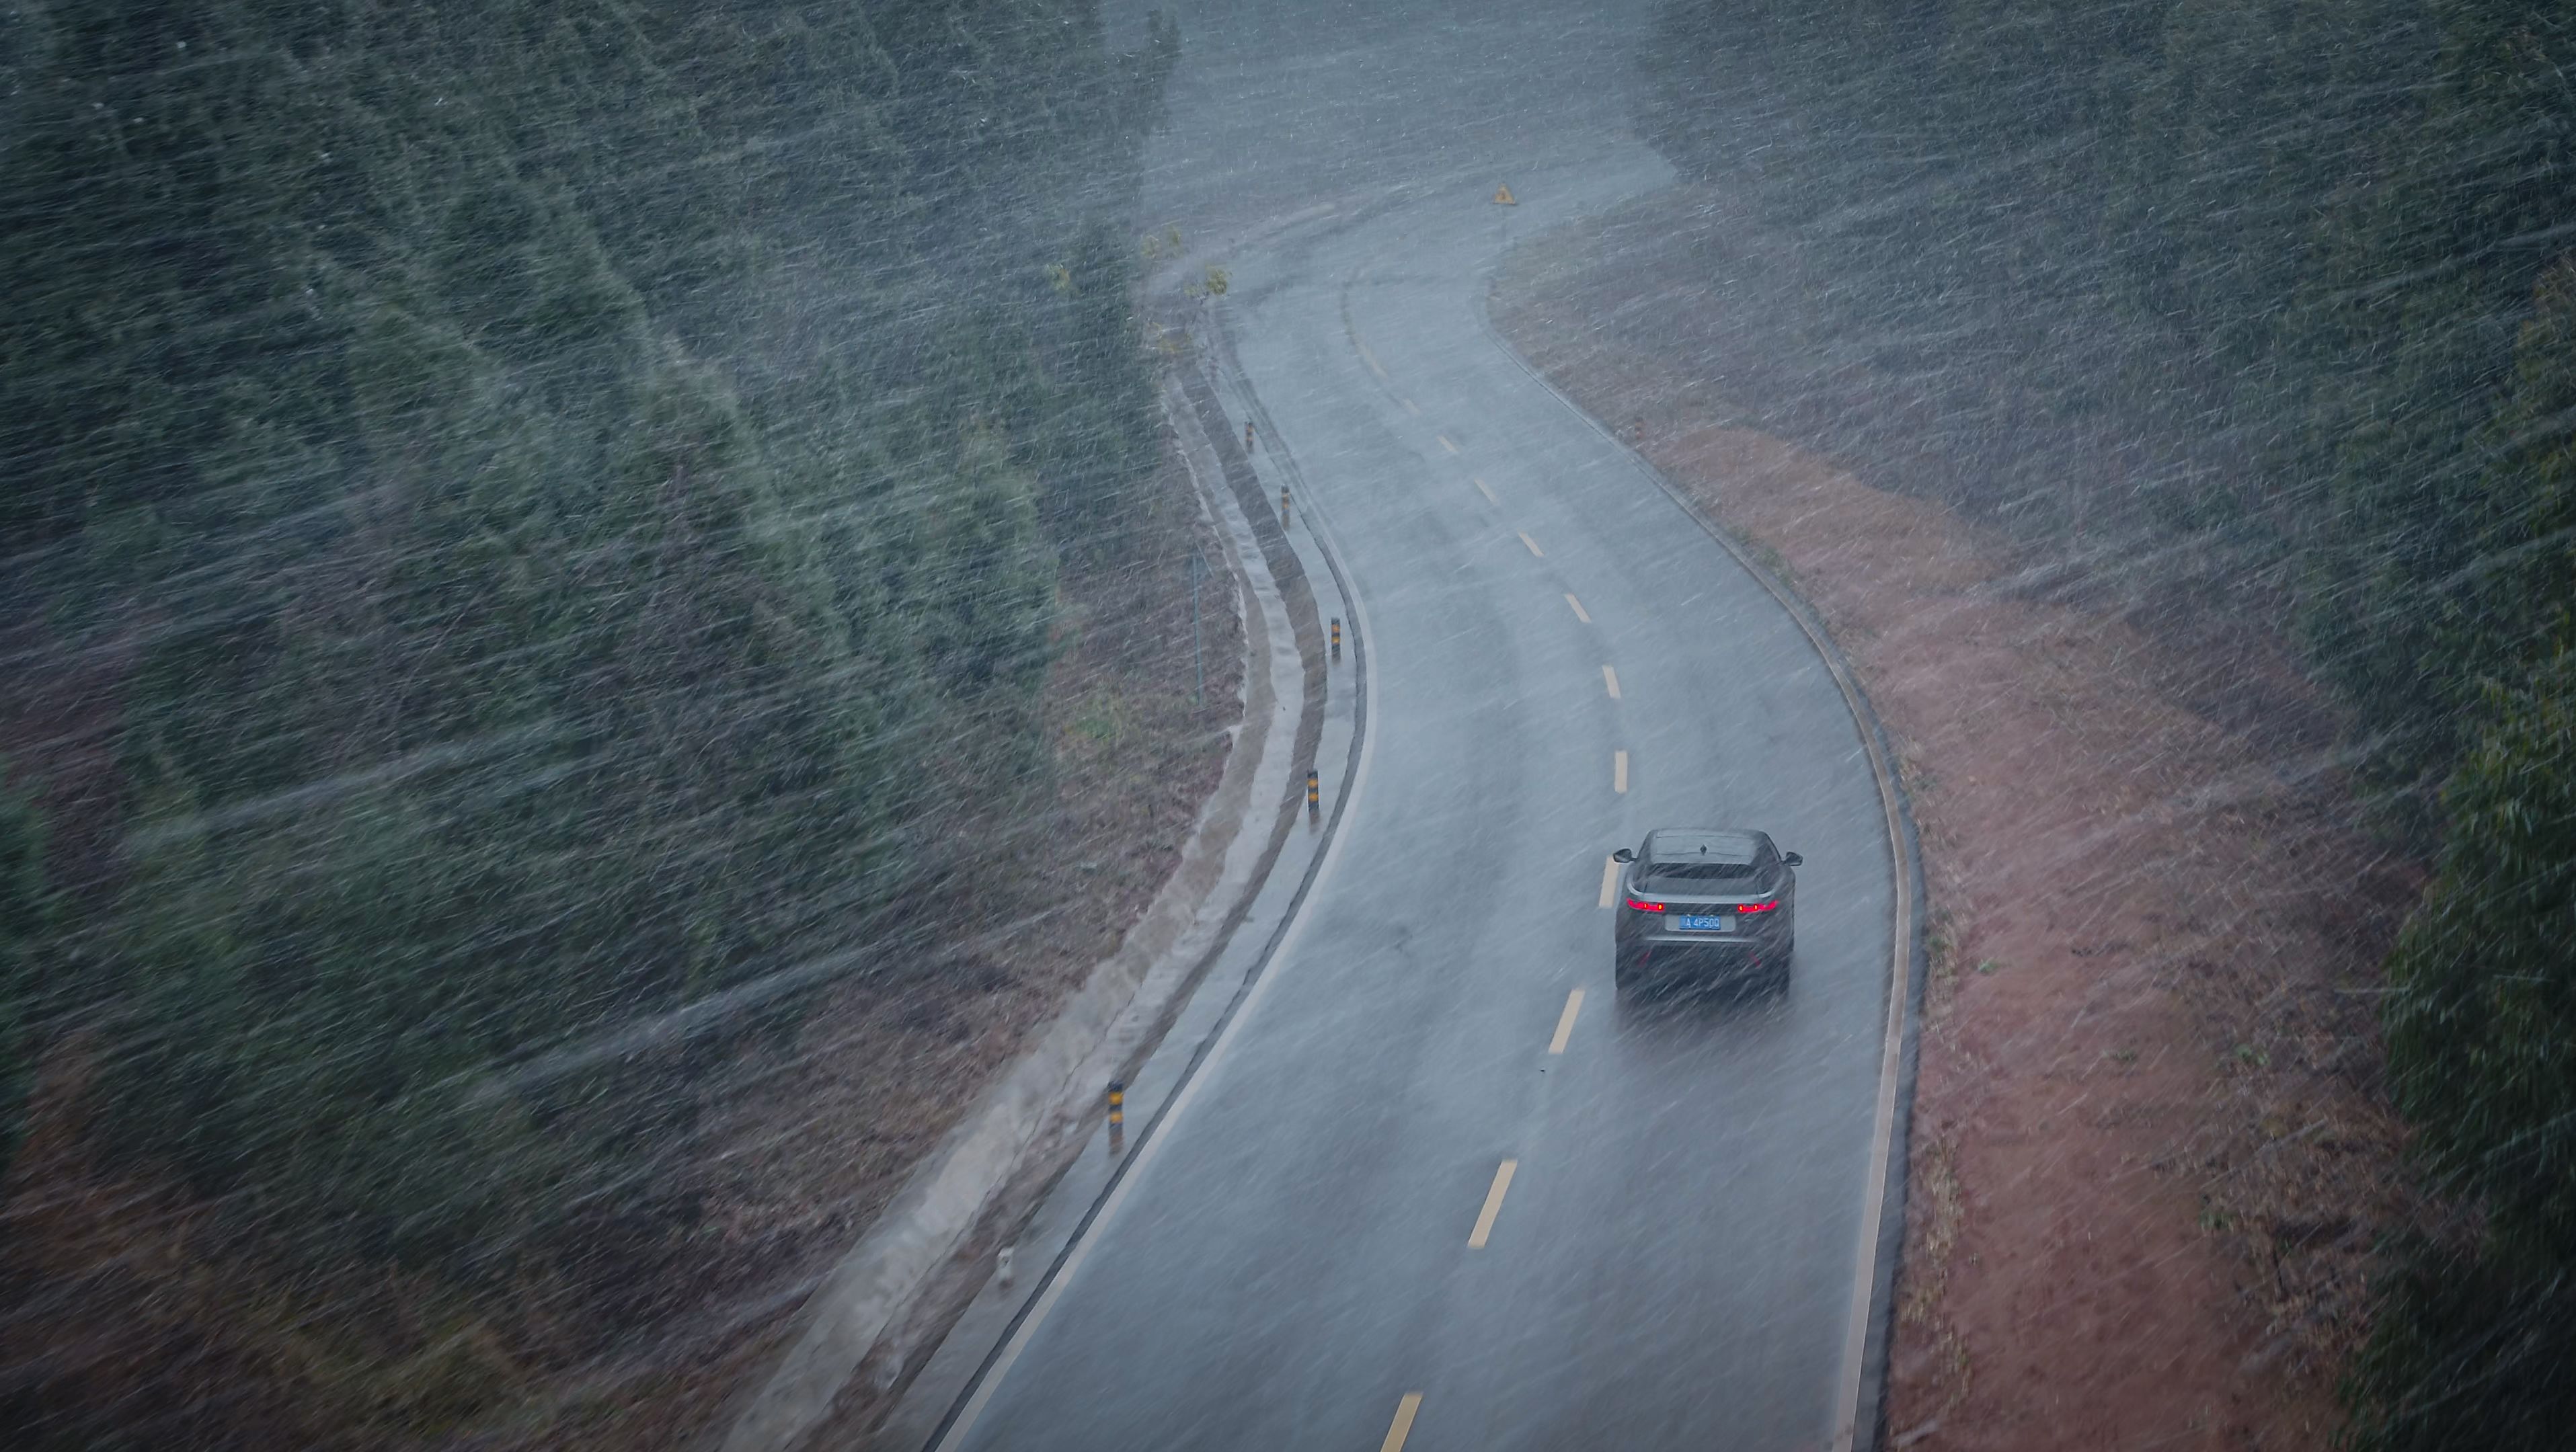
1217,1007
1037,1114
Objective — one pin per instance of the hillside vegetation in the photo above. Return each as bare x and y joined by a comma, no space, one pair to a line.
2306,273
521,519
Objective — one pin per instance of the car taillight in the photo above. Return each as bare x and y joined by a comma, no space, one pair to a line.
1758,907
1642,906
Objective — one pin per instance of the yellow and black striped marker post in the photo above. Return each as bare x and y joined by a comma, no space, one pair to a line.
1283,506
1314,797
1337,637
1117,1116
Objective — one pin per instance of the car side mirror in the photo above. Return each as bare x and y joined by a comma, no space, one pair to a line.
1623,855
1793,859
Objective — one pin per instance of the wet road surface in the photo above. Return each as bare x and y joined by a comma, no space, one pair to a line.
1446,1187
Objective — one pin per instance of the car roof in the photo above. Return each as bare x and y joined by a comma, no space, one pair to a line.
1691,845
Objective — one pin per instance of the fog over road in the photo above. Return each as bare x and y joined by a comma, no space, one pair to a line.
1559,660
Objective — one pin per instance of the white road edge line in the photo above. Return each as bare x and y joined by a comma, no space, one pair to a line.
1172,1114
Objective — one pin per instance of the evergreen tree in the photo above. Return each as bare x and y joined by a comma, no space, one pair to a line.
2472,1341
572,482
24,913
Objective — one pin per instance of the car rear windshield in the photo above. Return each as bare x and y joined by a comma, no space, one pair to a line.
1697,874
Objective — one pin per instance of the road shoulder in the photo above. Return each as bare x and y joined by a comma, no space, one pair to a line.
1311,694
892,1298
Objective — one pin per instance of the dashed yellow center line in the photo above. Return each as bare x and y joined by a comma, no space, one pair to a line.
1619,771
1533,545
1446,444
1578,610
1609,879
1403,1427
1488,493
1493,1205
1565,1021
1610,678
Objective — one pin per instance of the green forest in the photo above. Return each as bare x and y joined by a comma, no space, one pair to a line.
2334,246
520,517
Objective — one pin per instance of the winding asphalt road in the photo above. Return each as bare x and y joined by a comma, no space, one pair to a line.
1445,1187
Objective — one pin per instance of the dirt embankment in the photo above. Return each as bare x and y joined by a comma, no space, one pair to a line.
882,1072
2150,1149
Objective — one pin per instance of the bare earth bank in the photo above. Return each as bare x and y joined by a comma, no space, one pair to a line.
882,1072
2150,1150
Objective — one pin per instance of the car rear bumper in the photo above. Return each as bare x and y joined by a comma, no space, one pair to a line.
1702,949
1640,930
1674,945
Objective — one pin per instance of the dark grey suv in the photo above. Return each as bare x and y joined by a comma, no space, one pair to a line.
1709,896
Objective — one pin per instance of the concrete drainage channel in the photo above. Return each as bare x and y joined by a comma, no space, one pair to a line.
925,1301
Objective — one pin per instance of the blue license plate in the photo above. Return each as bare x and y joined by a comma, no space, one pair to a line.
1696,923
